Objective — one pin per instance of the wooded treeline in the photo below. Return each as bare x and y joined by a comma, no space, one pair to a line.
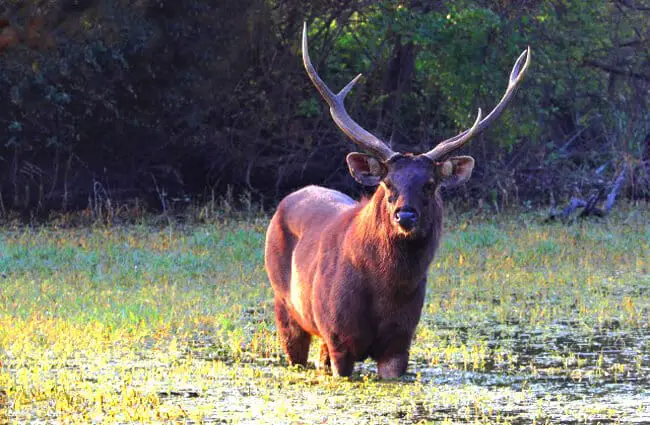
174,102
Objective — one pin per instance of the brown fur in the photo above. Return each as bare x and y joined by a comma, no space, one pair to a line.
345,272
354,273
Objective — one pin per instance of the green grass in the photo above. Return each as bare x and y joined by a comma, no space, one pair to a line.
523,321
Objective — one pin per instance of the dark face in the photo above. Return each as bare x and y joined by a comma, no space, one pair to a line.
408,184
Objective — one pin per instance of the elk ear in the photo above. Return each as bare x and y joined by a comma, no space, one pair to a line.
366,169
454,171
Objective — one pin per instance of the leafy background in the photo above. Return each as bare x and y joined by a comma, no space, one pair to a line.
164,104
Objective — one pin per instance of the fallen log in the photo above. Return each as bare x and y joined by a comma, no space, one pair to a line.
589,207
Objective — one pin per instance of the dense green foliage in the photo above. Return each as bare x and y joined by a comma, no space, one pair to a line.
108,101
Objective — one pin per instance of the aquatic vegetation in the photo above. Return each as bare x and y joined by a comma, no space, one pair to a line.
523,322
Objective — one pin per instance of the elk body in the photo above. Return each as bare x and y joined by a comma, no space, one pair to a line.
354,273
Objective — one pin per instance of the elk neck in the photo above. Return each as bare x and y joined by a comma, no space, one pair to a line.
374,245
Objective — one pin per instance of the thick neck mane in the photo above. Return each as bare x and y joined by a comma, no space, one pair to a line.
374,244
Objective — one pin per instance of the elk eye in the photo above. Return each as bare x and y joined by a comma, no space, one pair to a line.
392,195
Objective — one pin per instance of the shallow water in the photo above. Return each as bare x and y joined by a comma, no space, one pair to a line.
563,375
128,326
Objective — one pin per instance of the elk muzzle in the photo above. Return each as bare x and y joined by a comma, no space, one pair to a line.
406,217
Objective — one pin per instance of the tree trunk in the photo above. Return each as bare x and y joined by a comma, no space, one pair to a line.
396,82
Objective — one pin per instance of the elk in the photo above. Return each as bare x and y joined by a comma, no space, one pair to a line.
354,273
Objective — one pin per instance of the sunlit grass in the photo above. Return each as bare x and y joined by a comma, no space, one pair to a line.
142,324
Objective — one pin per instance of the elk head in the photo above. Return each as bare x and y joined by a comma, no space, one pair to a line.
408,183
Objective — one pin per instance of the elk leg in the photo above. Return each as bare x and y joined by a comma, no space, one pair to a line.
324,359
342,363
393,366
295,341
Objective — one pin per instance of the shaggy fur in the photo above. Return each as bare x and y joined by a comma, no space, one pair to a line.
345,271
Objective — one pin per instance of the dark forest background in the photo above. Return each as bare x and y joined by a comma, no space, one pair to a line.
165,104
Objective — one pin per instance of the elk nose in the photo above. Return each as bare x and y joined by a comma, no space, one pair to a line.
406,217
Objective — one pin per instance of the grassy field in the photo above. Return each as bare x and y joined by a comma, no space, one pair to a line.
524,322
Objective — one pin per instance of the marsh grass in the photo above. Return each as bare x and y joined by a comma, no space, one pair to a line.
523,322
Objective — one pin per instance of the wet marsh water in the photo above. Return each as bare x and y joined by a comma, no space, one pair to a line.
523,323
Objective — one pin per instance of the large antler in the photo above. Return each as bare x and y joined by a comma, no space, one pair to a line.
449,145
353,130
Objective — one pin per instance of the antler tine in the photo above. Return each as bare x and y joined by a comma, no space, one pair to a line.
453,143
450,145
353,130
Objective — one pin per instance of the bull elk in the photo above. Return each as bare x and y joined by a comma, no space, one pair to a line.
354,273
